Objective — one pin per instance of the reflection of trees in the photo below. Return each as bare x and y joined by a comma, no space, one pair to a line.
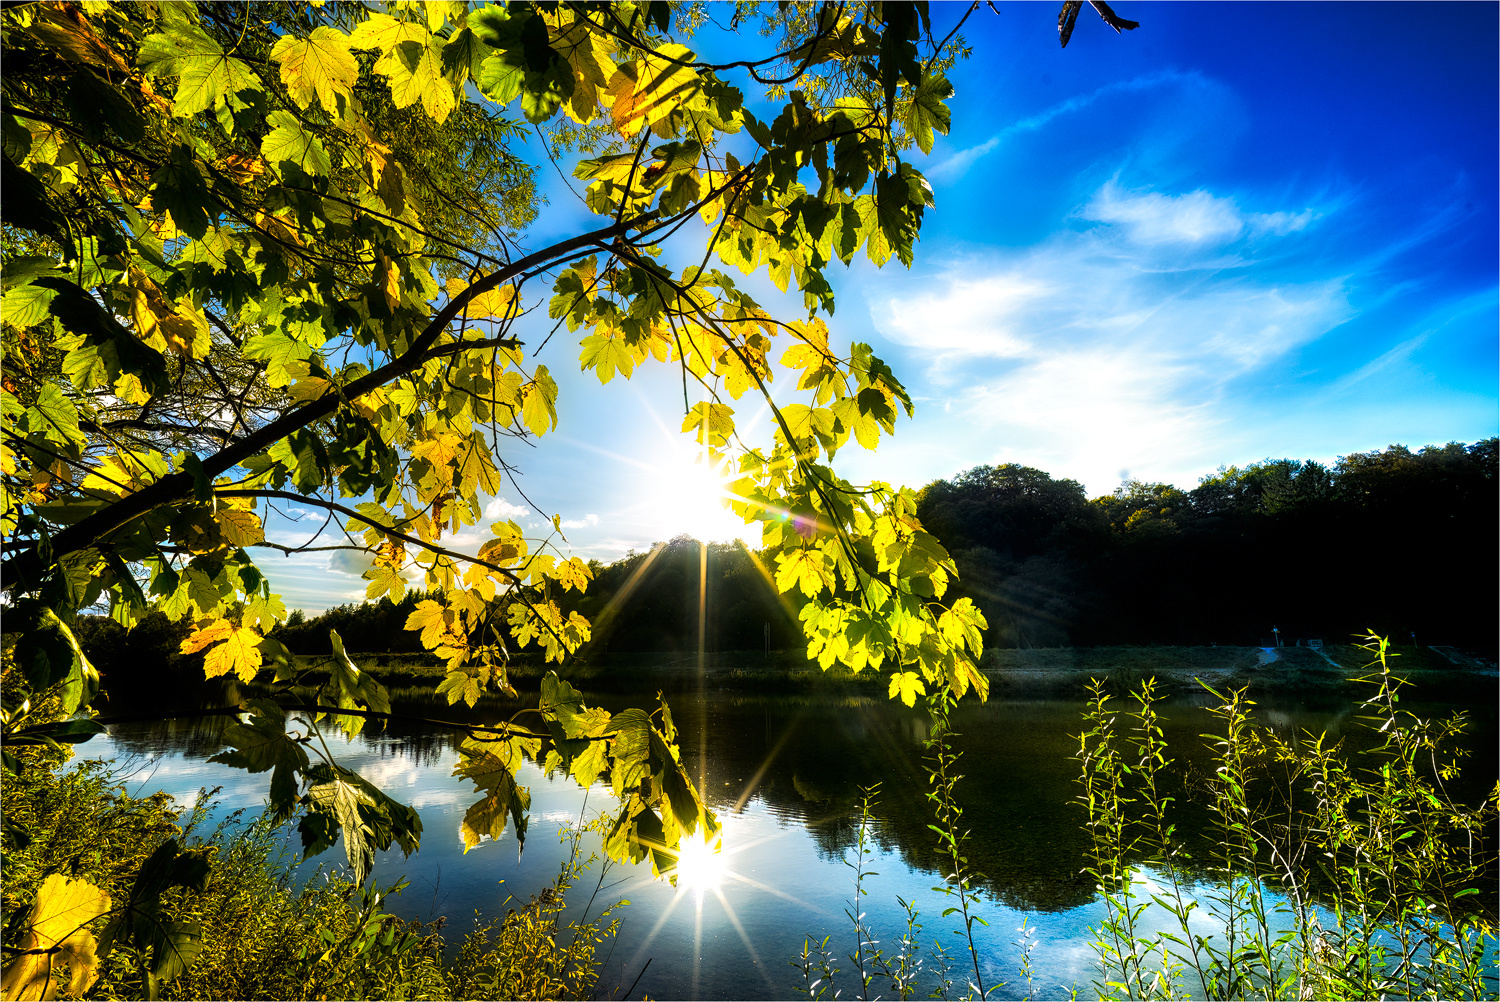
425,748
1027,835
807,757
191,737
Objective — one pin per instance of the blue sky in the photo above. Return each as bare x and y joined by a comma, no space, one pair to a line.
1241,231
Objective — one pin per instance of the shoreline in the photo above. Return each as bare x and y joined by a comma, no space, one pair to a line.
1036,672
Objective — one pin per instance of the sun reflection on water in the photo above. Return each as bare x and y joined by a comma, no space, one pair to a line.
701,863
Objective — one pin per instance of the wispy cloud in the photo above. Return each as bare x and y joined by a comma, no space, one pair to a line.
1094,352
1400,353
1195,218
959,163
581,523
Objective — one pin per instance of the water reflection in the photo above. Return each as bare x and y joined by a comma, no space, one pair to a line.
785,774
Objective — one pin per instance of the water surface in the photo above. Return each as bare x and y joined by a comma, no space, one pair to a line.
784,774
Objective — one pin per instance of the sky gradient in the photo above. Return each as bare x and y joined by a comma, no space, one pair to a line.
1242,231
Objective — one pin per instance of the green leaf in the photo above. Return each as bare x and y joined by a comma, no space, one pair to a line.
174,948
927,112
356,689
337,802
491,764
61,731
26,305
288,142
171,945
263,744
207,76
54,417
48,654
178,187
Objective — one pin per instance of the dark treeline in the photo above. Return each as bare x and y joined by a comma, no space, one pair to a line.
1398,541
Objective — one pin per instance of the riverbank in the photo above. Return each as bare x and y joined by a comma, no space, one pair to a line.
1033,673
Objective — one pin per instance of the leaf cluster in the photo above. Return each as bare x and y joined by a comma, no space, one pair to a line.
268,255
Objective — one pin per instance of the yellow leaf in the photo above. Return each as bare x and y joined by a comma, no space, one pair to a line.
319,67
440,450
114,475
63,907
573,573
240,528
186,332
388,281
129,389
801,568
648,89
907,684
432,619
384,578
240,653
416,74
498,303
210,634
381,31
588,55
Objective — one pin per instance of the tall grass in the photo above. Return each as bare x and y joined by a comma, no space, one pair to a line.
1334,875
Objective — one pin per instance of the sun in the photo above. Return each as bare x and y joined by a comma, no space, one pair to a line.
687,494
701,864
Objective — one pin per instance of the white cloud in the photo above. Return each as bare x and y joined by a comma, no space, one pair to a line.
1087,354
500,508
351,562
1196,217
581,523
1153,218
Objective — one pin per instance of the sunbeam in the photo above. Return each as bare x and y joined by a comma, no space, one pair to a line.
739,927
604,622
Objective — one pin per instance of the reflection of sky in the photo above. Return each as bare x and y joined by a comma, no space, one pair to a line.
784,876
776,888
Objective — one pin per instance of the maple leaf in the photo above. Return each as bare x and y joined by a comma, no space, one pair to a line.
239,653
239,528
907,685
318,67
55,933
647,89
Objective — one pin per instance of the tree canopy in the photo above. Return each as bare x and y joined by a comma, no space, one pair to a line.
1380,540
260,252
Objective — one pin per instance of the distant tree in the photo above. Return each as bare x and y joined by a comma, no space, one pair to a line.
1014,510
1137,507
1398,539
